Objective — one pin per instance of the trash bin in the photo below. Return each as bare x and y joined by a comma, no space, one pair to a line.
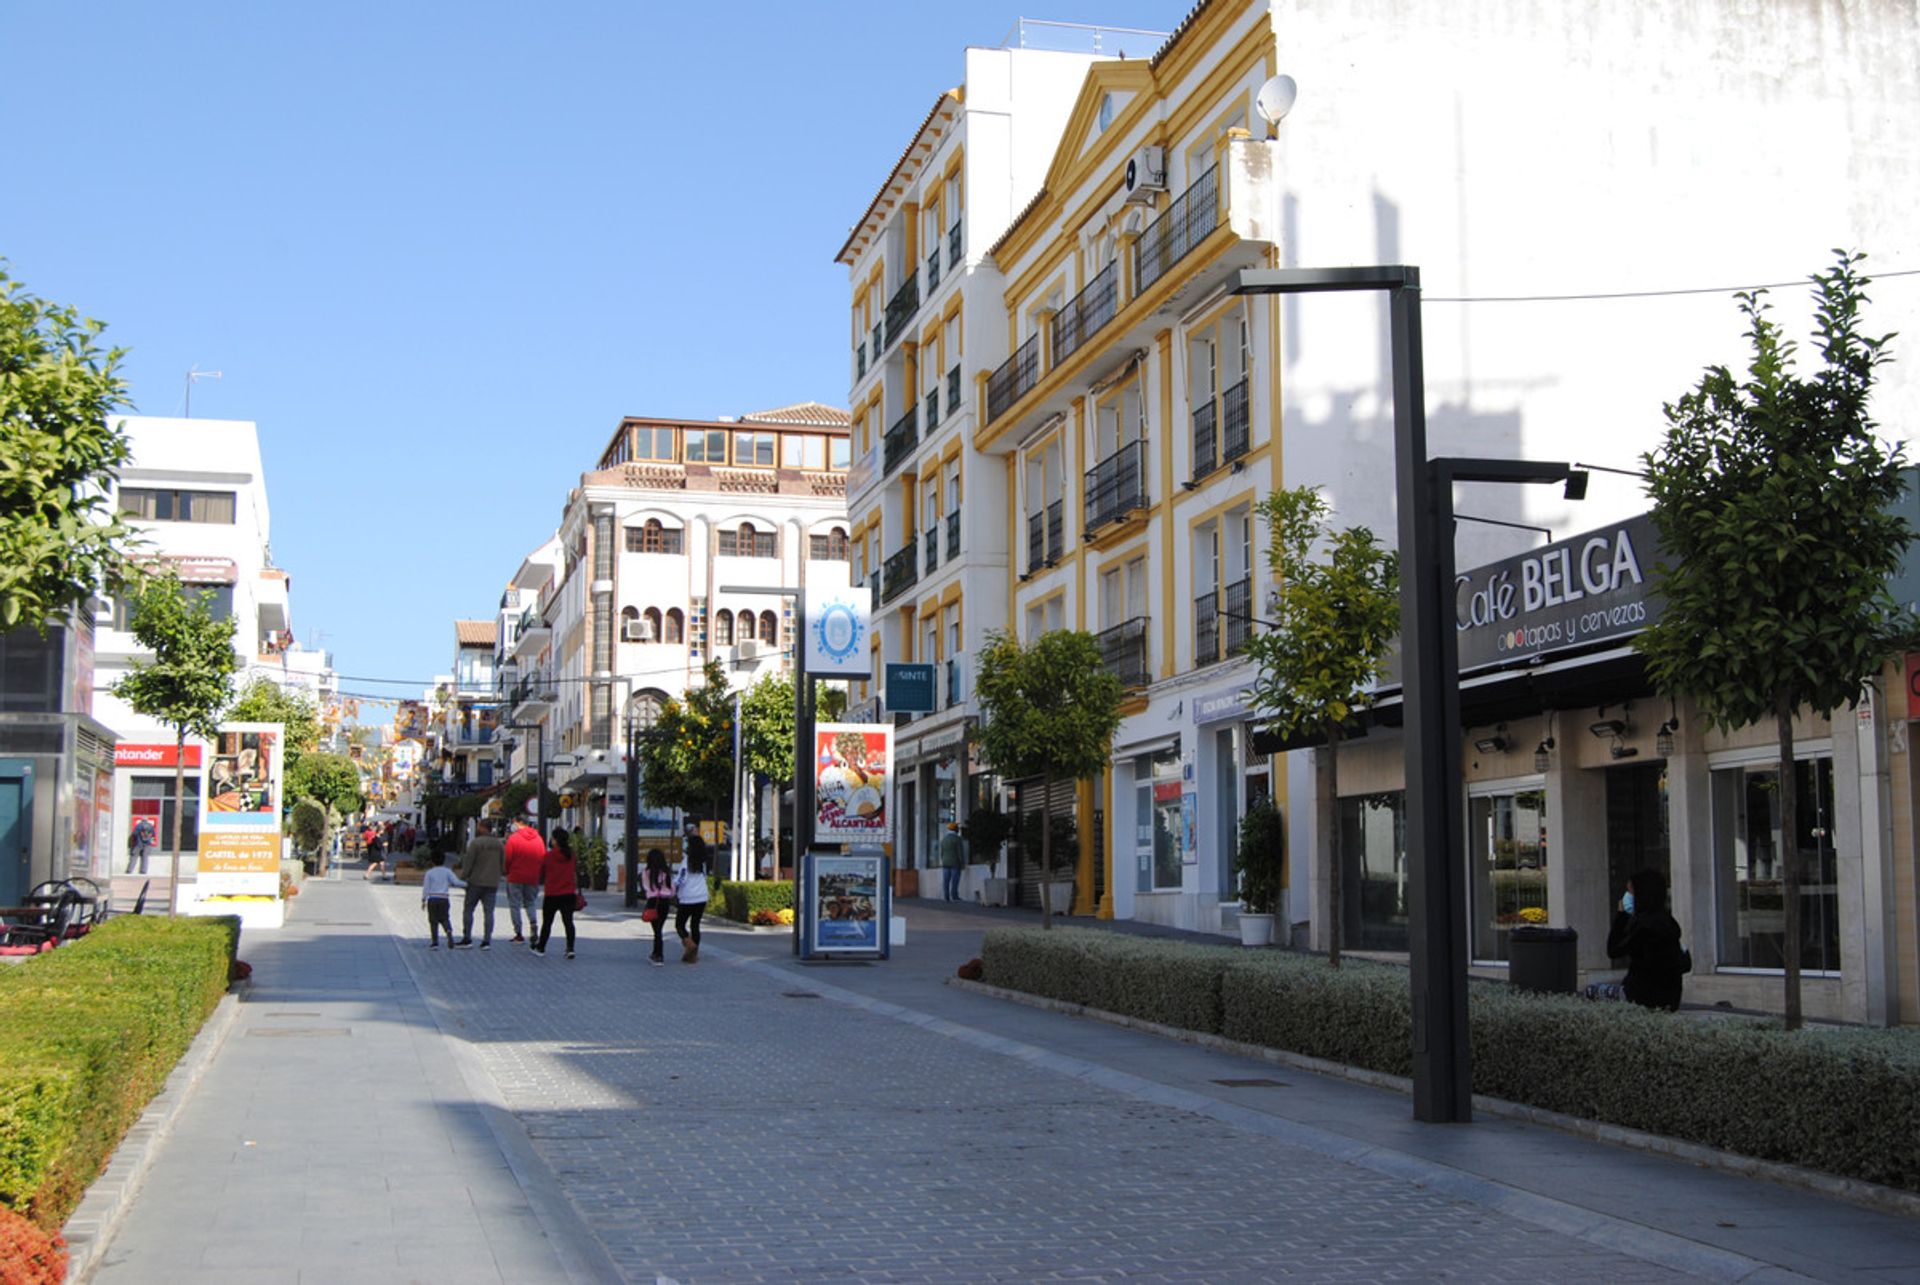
1543,959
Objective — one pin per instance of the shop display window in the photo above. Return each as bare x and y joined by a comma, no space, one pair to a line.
1748,874
152,796
1373,853
1507,853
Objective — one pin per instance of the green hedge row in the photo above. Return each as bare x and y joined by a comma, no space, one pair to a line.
1843,1101
738,899
91,1031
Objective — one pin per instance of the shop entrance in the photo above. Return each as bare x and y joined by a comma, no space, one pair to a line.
16,828
1638,835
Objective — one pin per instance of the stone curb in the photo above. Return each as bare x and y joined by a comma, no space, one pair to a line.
90,1228
1854,1190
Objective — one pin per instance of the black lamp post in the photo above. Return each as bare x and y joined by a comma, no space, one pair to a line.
540,781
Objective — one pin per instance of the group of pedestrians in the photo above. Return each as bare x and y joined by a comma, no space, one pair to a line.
537,871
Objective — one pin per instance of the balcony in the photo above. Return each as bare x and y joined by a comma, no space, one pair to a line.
860,360
1239,615
1086,313
873,586
933,270
901,571
933,548
933,409
530,694
900,308
902,438
1015,377
953,392
472,736
877,345
955,694
1123,648
1235,437
1206,629
1185,224
1046,536
953,247
1206,439
1116,486
953,535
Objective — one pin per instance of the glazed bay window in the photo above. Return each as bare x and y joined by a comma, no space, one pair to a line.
1507,859
803,451
157,505
653,443
754,449
1373,884
1748,870
706,447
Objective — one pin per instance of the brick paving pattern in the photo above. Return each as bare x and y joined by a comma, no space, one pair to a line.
711,1126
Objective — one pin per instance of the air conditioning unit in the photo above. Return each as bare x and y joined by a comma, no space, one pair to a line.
747,649
634,631
1146,173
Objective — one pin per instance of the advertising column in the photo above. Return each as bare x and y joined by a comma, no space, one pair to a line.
240,827
846,898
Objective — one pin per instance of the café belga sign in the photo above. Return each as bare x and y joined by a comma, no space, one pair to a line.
1574,592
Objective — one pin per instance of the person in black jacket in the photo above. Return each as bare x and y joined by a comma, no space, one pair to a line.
1648,938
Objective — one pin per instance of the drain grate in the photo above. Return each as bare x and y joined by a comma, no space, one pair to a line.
302,1030
799,994
343,923
290,1014
1251,1084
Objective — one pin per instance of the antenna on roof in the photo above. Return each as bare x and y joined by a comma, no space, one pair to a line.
196,374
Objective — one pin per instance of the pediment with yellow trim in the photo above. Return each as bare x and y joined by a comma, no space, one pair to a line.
1100,114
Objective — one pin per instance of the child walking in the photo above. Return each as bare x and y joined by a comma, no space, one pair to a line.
436,894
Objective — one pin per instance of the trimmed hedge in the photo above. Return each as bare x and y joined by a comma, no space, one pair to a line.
1846,1101
738,899
91,1031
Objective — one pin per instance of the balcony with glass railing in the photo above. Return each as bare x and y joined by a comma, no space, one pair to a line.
901,571
1116,486
901,439
1086,313
1014,378
1182,226
1123,649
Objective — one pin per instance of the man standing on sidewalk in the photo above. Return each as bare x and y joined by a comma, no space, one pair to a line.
525,851
139,844
481,865
951,863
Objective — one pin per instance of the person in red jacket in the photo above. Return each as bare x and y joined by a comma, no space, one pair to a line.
562,884
525,853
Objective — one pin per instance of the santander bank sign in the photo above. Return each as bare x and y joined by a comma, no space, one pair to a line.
1587,589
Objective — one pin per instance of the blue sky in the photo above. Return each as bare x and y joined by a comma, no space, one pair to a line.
438,250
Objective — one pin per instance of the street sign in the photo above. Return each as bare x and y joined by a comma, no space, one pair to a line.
839,622
910,689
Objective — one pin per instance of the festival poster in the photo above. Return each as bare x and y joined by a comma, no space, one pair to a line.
239,864
853,769
243,785
846,906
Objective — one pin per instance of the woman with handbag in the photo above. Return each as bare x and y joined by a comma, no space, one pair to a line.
560,881
656,885
690,898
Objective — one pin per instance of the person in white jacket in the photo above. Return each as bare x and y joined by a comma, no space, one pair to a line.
690,899
436,894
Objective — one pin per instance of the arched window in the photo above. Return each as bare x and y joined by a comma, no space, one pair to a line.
723,628
653,539
769,627
650,625
676,627
748,623
629,624
837,544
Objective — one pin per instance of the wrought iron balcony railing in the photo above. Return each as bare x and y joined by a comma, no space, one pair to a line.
1046,536
1234,435
879,342
1116,486
933,409
901,572
954,693
953,246
860,360
953,535
933,548
953,392
1206,629
1238,614
1124,650
901,439
1056,530
1206,442
1015,376
933,270
1086,313
900,308
1185,224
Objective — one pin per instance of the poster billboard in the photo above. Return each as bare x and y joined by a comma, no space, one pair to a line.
845,902
852,775
239,847
243,786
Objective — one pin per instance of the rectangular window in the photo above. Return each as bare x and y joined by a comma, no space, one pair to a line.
706,446
753,448
1749,875
154,505
840,456
1157,820
152,797
653,444
746,543
1373,847
1507,851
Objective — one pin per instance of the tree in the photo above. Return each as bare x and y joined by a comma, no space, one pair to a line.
265,701
1048,710
308,825
60,451
331,779
686,762
1335,614
186,684
766,736
1772,498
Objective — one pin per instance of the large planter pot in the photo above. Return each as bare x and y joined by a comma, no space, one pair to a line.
1256,930
906,882
994,892
1060,896
407,872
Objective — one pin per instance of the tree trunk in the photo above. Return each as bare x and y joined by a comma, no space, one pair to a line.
1333,851
1046,846
1789,862
179,815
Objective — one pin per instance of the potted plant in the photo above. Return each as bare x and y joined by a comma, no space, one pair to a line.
1058,877
986,830
1260,858
593,863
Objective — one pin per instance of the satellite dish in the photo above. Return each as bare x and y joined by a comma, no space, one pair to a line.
1275,99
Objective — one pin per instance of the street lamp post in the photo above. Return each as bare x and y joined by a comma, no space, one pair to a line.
803,716
540,781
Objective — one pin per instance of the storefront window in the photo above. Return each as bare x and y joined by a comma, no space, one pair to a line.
153,797
1747,868
1373,850
1507,850
1156,779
